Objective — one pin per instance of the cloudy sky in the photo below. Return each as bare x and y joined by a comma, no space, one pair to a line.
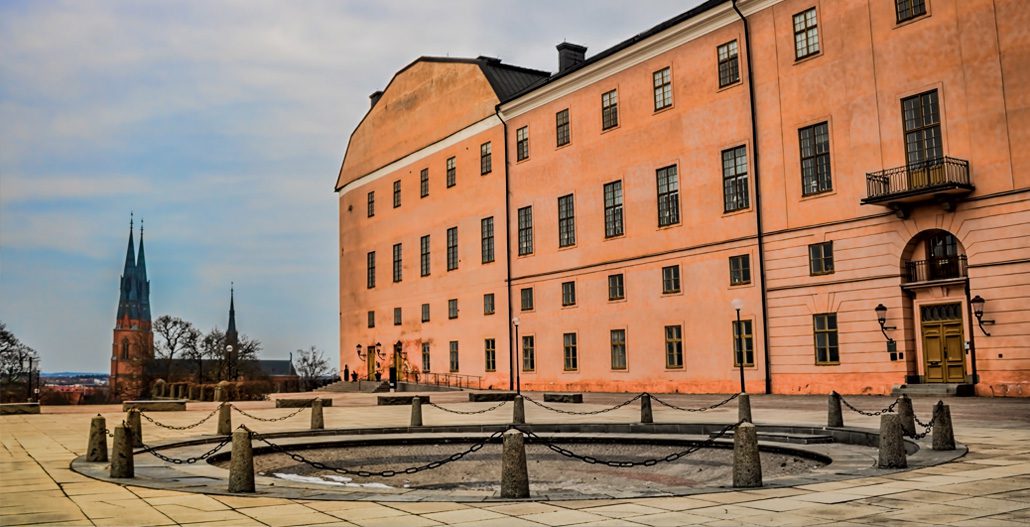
222,124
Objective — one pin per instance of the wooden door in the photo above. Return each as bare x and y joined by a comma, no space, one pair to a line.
943,345
370,363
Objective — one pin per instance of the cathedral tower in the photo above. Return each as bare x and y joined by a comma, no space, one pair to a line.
133,343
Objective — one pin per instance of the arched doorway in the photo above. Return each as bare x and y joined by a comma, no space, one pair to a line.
935,281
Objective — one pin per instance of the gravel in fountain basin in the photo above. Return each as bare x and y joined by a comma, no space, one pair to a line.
549,472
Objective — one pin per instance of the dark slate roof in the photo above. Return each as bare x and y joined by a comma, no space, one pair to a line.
620,46
505,79
276,366
186,367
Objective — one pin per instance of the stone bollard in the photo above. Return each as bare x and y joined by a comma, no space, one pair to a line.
744,407
747,464
241,464
317,423
225,419
416,411
121,455
518,415
908,417
834,415
136,426
514,475
892,443
943,434
97,448
646,416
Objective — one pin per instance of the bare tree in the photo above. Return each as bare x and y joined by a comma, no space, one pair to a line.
311,364
176,335
213,344
16,360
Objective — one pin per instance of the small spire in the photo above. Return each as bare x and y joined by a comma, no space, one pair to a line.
140,229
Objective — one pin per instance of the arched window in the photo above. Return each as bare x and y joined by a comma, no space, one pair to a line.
125,349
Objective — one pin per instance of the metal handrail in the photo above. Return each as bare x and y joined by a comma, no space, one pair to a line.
456,380
914,177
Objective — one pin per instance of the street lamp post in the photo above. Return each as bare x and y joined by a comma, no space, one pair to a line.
518,369
737,305
231,373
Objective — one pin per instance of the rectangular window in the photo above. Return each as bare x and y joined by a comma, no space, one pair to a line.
454,355
806,34
396,193
814,142
371,319
396,316
490,351
671,279
423,258
729,68
568,293
486,228
740,269
522,143
488,304
609,109
571,354
673,346
370,270
423,183
486,164
922,120
616,290
452,172
397,262
561,120
425,312
734,179
425,357
909,9
452,248
452,308
528,353
825,330
525,231
371,204
613,209
748,341
618,340
668,196
820,258
526,297
566,221
662,89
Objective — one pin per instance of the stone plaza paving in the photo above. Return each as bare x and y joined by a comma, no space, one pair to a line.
988,486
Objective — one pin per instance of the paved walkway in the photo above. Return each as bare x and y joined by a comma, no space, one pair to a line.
989,486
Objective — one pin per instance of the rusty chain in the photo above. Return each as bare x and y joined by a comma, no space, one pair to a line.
594,412
889,408
626,463
188,460
186,427
473,412
702,409
270,419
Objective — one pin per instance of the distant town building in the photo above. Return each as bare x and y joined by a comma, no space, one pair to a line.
799,163
133,343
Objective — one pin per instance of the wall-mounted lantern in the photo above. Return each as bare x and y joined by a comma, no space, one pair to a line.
881,317
978,311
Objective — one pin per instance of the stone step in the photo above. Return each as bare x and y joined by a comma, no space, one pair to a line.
934,389
490,397
787,437
396,400
563,398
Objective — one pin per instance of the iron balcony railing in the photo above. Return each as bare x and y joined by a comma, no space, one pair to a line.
456,380
918,178
943,268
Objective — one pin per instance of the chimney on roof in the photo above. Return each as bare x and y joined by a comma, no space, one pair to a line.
375,97
570,55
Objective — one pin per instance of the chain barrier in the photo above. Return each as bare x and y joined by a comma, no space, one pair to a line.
318,465
888,409
189,460
473,412
595,412
270,419
702,409
628,464
186,427
109,432
927,427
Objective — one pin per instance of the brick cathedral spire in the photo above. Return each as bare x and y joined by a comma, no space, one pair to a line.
133,343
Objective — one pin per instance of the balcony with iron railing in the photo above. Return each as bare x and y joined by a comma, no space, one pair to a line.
944,179
935,270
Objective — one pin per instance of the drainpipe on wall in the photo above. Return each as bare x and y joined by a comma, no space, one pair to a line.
507,251
758,199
